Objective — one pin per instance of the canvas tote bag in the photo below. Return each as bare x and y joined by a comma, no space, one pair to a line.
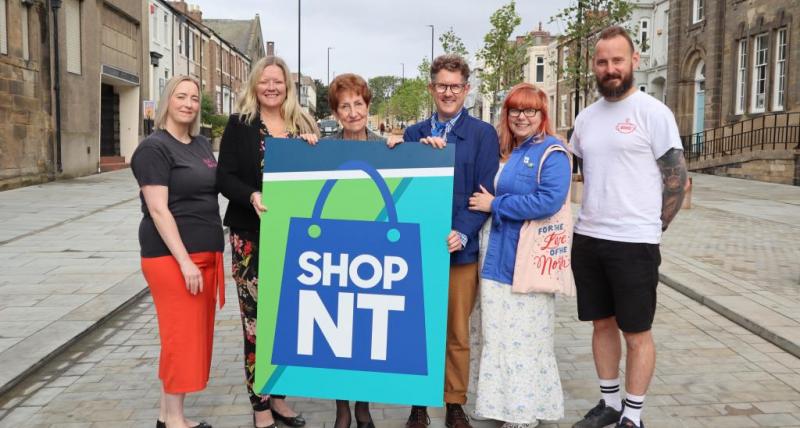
543,252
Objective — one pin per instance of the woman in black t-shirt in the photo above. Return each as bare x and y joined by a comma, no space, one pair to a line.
267,107
181,243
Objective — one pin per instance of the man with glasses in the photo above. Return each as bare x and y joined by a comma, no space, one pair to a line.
477,154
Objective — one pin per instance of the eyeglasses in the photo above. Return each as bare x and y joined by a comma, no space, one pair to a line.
455,88
528,112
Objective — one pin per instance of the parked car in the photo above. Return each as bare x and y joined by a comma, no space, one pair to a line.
328,127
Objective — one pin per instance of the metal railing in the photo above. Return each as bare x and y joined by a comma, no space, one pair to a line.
779,131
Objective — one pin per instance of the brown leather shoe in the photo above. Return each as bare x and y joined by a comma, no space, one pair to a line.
455,417
418,418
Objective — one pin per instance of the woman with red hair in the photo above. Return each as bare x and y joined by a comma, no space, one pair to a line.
518,381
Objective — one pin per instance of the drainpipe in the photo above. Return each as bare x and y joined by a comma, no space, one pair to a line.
55,5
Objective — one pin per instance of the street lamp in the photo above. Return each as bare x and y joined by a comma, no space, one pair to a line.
55,5
299,75
403,72
329,65
431,25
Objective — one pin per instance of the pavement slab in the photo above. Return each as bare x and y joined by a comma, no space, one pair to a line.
705,376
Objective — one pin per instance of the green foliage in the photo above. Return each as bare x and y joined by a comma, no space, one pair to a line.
210,118
584,21
383,87
409,100
452,44
206,106
424,69
323,107
217,122
502,59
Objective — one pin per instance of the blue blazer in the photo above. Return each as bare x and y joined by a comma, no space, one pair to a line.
477,157
521,197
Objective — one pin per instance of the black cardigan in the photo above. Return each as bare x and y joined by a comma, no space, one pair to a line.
239,171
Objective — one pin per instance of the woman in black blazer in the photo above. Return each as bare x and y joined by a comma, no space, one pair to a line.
267,107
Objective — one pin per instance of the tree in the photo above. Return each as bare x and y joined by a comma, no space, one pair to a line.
410,100
502,59
584,21
323,107
206,106
383,88
452,44
424,69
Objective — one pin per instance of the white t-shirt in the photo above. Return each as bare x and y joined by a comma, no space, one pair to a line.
619,143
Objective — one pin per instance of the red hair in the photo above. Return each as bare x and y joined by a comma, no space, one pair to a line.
522,96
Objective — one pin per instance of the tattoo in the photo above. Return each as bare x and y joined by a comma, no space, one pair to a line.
675,176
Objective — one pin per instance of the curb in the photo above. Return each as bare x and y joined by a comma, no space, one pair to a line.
19,378
741,320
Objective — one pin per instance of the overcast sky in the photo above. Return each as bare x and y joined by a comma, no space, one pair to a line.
373,37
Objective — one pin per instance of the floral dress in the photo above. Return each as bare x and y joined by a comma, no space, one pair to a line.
518,379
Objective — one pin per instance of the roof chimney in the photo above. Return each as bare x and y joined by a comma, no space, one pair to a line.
270,48
195,13
180,5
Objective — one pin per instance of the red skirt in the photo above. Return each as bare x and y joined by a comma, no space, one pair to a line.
185,321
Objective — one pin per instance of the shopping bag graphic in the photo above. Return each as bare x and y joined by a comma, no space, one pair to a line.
351,295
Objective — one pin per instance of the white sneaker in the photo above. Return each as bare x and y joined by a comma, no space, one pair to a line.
516,425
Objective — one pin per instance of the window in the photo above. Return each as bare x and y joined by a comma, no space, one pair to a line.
759,91
187,42
698,10
779,82
565,58
539,69
72,30
3,29
165,29
741,76
154,24
562,119
26,51
642,88
644,32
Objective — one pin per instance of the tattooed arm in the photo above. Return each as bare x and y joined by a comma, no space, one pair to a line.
673,172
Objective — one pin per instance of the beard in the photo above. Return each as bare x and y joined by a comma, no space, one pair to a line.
607,90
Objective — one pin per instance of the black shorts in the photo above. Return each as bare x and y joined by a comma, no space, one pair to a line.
616,279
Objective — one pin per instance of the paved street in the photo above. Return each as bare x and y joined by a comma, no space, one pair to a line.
70,260
737,250
711,373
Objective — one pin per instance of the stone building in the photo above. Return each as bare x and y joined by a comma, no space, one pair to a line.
729,60
101,58
731,75
26,143
244,34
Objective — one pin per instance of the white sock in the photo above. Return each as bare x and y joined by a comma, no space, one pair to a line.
633,408
610,390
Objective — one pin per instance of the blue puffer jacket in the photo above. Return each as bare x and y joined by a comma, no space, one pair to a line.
519,198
